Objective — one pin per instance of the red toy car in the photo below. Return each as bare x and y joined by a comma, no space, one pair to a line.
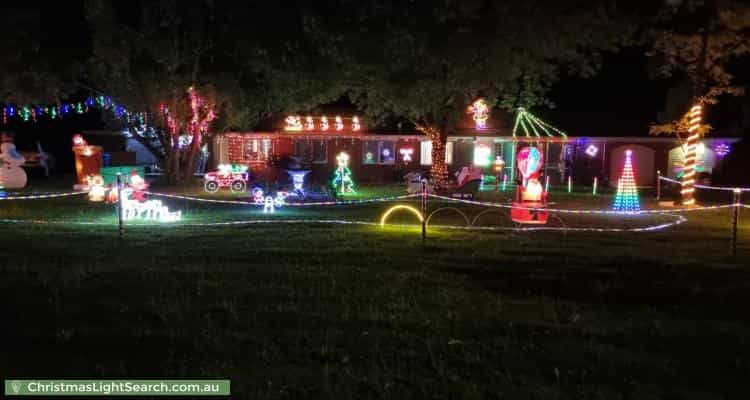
228,176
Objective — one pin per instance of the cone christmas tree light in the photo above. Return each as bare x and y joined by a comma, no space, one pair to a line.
627,199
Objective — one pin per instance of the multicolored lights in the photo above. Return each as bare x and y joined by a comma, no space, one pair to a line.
480,113
626,199
342,178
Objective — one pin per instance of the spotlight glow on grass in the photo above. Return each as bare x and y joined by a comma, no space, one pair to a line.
400,207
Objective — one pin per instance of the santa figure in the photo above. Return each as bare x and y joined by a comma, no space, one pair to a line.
12,176
139,186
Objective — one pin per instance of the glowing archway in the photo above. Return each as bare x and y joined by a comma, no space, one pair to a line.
399,207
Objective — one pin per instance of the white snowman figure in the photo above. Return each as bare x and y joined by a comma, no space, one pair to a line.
12,176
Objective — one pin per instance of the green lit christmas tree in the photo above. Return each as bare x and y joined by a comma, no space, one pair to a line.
626,199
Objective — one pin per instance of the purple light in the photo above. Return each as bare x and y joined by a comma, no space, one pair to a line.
722,149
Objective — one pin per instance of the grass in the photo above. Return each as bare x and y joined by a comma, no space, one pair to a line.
333,311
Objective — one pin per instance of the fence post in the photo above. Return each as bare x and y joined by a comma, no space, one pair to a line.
658,185
735,219
424,211
119,204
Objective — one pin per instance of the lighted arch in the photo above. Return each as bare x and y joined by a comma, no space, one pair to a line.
400,207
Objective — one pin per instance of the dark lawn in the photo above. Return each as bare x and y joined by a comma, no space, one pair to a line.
333,311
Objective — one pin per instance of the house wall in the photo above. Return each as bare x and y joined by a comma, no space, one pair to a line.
563,158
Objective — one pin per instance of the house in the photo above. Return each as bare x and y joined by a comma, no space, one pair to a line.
312,142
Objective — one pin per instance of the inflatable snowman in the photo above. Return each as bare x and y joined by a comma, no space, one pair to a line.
12,176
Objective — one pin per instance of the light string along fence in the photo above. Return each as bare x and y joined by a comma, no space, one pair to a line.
422,214
736,201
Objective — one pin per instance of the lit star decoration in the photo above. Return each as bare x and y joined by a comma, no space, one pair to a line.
480,113
626,199
592,150
722,149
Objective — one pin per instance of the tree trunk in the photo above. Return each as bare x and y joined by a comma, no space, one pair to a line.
688,172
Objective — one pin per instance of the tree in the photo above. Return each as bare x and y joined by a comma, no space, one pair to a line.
38,65
427,62
242,63
697,39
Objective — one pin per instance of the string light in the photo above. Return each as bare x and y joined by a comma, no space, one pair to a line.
293,123
42,196
324,123
480,113
626,199
530,124
30,112
688,177
152,210
269,205
388,212
406,153
342,178
570,184
339,123
722,149
596,183
355,123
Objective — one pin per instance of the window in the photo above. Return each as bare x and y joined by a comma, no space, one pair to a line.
256,150
482,154
425,155
315,151
370,152
378,152
320,151
425,152
387,154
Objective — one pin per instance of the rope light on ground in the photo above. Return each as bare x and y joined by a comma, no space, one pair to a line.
584,212
707,187
288,204
42,196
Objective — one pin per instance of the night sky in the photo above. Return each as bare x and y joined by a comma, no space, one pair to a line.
621,100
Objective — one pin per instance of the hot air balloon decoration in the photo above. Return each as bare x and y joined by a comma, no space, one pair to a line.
530,194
